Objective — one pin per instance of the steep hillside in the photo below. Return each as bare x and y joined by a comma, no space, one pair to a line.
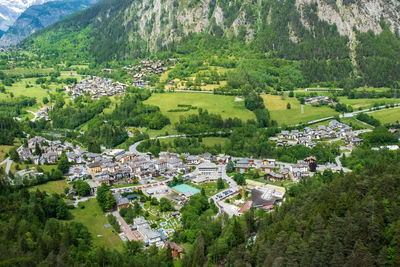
39,16
11,9
321,33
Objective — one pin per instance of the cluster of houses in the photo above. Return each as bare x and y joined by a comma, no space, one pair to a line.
335,129
319,100
43,113
40,151
96,87
144,69
274,171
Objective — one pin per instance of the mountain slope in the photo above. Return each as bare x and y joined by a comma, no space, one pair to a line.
39,16
11,9
320,33
158,23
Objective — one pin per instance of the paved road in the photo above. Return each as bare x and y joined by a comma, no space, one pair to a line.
35,114
192,91
9,162
130,234
351,114
221,196
83,199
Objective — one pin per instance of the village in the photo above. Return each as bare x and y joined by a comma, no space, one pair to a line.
136,177
334,131
96,87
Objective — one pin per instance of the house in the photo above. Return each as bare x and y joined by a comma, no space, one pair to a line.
267,168
127,157
122,202
283,174
93,186
176,250
268,161
205,157
193,160
73,157
36,140
356,141
243,165
50,157
104,178
94,167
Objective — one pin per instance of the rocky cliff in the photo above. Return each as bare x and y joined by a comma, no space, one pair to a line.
40,16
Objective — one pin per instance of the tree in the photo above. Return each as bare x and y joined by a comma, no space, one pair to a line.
203,192
113,221
288,106
82,188
239,179
63,164
45,100
38,151
230,167
14,154
105,198
166,205
220,184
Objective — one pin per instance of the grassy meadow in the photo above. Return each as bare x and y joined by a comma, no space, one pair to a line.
387,115
365,103
93,218
52,187
219,104
279,112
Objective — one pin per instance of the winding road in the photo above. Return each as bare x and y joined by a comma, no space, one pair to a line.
9,162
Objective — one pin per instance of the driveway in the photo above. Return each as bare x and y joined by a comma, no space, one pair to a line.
130,234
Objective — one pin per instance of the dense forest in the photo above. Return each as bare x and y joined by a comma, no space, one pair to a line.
36,229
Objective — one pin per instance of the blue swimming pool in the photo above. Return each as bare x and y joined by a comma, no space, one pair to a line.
184,188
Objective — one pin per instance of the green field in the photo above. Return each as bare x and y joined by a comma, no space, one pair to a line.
19,88
367,102
219,104
51,187
28,71
353,122
208,141
92,217
277,108
387,115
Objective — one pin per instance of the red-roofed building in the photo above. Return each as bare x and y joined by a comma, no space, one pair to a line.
246,206
176,250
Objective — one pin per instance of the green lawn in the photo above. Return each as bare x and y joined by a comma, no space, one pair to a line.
210,188
387,115
367,102
223,105
212,141
51,187
279,112
93,218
